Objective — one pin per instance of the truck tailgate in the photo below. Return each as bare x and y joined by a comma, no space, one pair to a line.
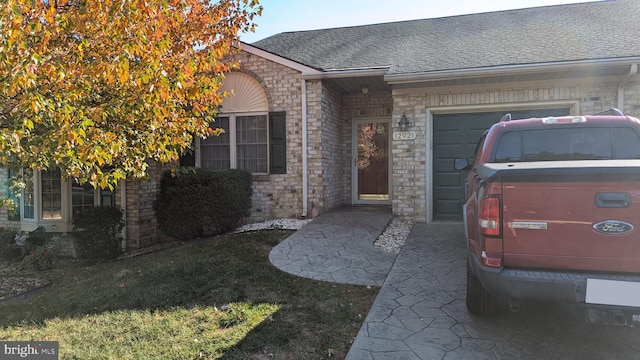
579,225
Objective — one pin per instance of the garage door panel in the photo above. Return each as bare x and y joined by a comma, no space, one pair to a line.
452,140
456,136
450,193
452,178
445,164
448,209
444,176
449,151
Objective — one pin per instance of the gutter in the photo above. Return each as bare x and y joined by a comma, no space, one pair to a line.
305,160
511,69
633,71
348,73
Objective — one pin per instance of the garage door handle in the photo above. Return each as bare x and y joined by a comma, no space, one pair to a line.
613,200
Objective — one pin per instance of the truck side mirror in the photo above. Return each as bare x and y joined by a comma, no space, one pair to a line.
463,164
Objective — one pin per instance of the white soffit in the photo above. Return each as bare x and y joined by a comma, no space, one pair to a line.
245,94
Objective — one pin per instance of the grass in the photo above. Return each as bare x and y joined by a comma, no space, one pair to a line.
216,298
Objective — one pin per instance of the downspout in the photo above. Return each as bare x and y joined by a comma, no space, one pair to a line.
123,204
633,71
305,160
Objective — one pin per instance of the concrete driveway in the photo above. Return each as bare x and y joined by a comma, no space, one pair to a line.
420,313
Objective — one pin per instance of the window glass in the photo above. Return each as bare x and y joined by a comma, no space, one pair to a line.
251,143
590,144
544,145
246,149
82,196
509,148
568,144
51,194
215,151
107,198
28,195
14,215
626,144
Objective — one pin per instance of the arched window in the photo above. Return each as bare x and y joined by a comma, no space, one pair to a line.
245,94
253,139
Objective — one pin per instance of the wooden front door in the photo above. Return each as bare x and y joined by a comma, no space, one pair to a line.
372,161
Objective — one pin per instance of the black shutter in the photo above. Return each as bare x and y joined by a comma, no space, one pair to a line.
188,159
277,143
189,156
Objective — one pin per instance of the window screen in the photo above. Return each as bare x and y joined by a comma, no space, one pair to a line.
82,196
51,194
251,143
214,150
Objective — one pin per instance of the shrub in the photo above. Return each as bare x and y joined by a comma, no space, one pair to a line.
32,248
98,232
39,258
8,248
202,202
36,238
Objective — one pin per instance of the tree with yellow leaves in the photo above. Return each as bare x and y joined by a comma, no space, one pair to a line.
99,87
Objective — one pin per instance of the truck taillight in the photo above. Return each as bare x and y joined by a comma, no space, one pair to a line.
490,216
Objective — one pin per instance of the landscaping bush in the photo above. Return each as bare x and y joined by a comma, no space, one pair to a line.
98,232
202,202
39,258
36,238
32,248
8,249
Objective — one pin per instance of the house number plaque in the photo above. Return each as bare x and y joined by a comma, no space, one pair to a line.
404,135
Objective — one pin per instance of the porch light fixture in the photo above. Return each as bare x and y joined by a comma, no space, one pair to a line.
365,89
404,123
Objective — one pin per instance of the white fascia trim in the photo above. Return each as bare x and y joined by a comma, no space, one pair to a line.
279,59
347,73
506,69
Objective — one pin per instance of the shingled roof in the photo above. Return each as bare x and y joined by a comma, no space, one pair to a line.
586,31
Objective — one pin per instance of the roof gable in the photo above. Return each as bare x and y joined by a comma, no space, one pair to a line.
279,59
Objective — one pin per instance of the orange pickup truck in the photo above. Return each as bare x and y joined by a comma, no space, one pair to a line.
552,212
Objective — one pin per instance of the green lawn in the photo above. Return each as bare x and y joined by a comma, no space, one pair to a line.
210,298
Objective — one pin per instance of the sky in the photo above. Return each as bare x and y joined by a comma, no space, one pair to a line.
296,15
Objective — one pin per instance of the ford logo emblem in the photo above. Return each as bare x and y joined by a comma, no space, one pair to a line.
613,227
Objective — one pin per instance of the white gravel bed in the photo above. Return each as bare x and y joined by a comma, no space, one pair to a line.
391,240
393,237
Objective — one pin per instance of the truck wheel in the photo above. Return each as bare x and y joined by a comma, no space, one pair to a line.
479,301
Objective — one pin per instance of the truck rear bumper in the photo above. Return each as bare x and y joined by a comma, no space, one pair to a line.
541,284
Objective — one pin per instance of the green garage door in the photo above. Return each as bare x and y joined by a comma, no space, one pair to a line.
456,136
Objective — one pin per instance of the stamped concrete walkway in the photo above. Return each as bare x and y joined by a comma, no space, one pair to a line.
338,247
420,312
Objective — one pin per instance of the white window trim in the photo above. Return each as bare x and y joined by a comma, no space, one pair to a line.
233,148
51,225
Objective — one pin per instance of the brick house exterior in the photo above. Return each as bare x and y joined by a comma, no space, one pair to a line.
333,85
